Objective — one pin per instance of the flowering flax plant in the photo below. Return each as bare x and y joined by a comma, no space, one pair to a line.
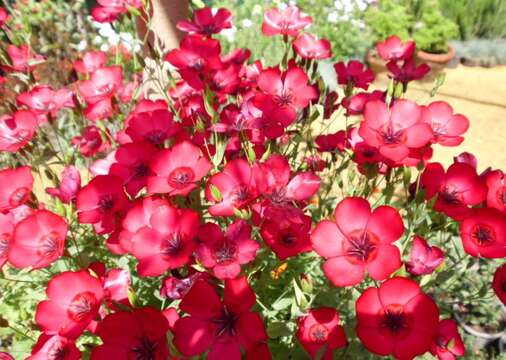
242,211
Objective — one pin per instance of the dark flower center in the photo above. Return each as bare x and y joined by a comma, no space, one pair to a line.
361,247
394,319
49,245
81,306
451,196
240,194
197,65
155,136
208,29
225,323
289,240
57,351
106,203
145,349
278,196
180,178
284,99
5,240
105,89
501,195
318,333
141,170
173,245
19,196
390,136
225,253
482,235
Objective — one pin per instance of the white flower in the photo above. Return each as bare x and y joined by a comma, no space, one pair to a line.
247,23
332,17
97,40
229,34
83,44
104,47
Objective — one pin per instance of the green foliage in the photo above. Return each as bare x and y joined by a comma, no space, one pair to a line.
389,18
477,18
433,30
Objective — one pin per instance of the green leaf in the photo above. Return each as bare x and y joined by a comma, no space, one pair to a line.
300,298
215,192
282,304
277,329
438,83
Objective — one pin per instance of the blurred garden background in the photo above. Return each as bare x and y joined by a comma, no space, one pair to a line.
464,41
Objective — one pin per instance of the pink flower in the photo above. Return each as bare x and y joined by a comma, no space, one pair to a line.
73,302
91,141
132,165
289,91
310,47
288,21
232,189
100,202
103,84
48,346
394,131
22,58
496,195
224,253
42,100
354,74
15,187
91,61
320,328
168,243
177,170
206,22
456,190
16,130
3,16
447,343
423,258
154,126
394,49
359,240
38,240
446,126
222,327
69,185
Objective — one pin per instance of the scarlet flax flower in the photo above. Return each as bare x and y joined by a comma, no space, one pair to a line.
309,47
359,241
288,21
224,253
15,187
423,258
17,130
222,327
394,49
499,283
354,74
320,328
70,184
446,126
207,22
396,319
447,343
73,302
54,347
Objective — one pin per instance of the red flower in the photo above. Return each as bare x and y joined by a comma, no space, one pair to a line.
16,130
3,16
394,131
73,302
496,196
139,334
233,188
467,158
447,343
394,49
69,185
456,189
224,253
195,58
132,165
178,169
207,22
175,288
38,241
353,74
100,202
54,347
91,61
6,233
446,126
331,142
102,85
310,47
285,22
42,99
289,92
90,142
355,105
423,258
286,232
154,126
360,240
483,233
499,283
22,58
275,182
15,187
408,72
319,328
168,243
222,327
397,318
